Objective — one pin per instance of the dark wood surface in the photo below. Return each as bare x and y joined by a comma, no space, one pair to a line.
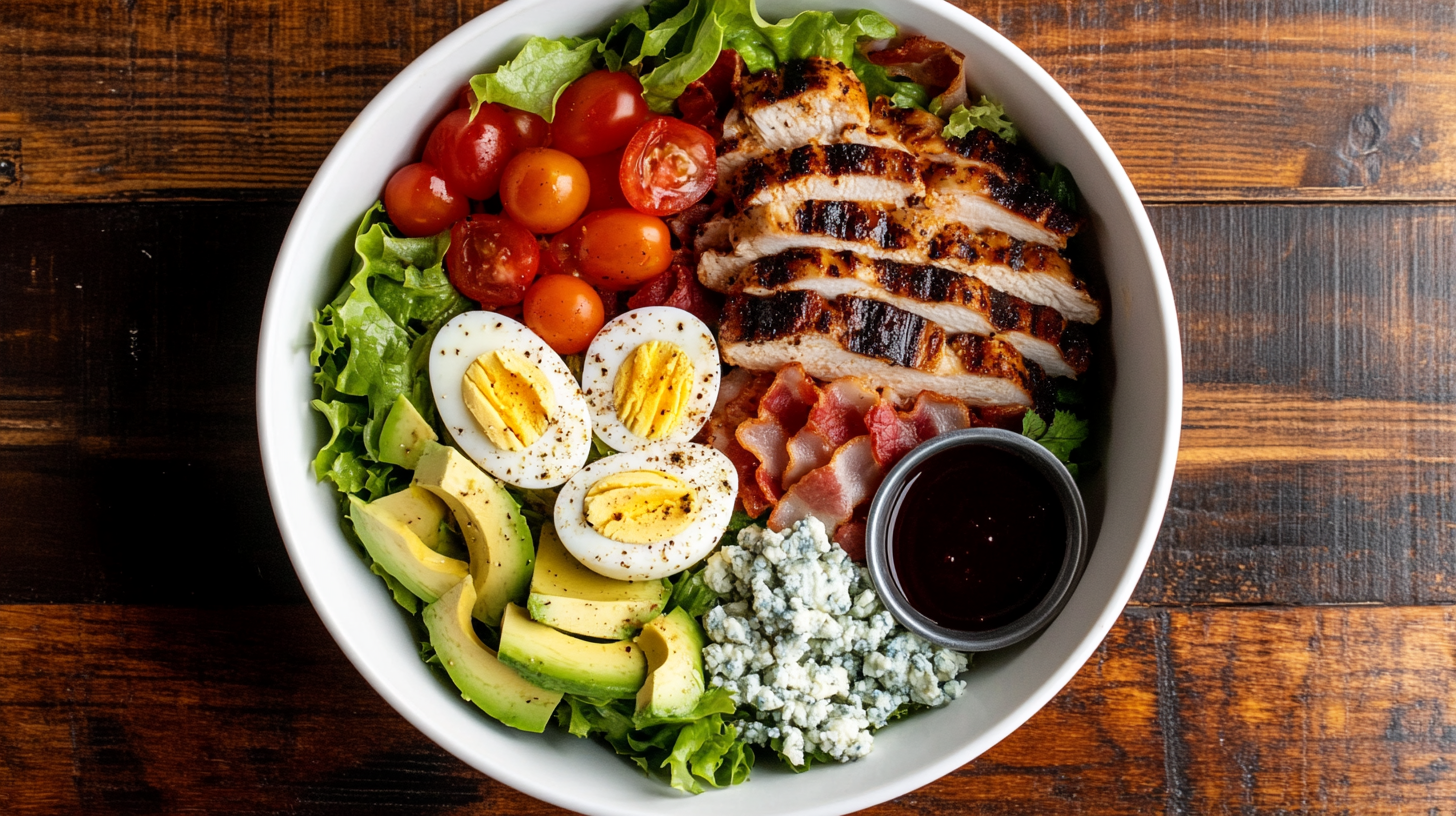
1290,649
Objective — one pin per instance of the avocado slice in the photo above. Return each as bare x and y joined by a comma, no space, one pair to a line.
396,548
567,595
561,662
493,686
673,644
405,431
495,532
424,514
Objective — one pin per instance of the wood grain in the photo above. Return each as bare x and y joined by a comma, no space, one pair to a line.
139,709
1290,99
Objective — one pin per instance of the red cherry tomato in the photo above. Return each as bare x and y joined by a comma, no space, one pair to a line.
565,311
531,130
544,190
669,166
420,202
472,153
563,252
622,249
466,98
492,259
605,172
598,112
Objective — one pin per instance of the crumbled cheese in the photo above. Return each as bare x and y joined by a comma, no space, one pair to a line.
813,658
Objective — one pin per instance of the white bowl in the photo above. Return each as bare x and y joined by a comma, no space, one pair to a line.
1125,500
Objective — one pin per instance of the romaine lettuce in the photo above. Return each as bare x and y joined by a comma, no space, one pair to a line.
534,80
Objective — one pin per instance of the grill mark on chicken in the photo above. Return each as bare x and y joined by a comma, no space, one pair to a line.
853,221
960,303
841,170
858,337
1033,272
1045,220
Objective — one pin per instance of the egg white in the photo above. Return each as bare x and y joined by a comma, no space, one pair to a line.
561,450
619,338
714,481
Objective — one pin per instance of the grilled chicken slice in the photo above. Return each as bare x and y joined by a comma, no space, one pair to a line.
809,100
958,303
832,172
980,197
855,337
1032,272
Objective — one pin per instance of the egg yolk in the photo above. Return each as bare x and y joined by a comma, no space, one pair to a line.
510,397
652,388
640,506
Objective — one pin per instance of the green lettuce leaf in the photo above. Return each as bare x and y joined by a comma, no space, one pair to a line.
988,114
534,80
702,748
902,93
1066,433
370,346
692,594
1061,186
665,83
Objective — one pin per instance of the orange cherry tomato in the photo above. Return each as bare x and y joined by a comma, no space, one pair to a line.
565,311
669,166
622,248
420,202
598,113
544,190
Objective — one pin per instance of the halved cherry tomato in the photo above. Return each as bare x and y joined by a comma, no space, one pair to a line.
598,112
471,153
544,190
623,248
605,172
669,166
563,252
565,311
492,259
531,130
420,202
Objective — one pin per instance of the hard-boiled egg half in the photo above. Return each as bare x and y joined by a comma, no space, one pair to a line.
651,375
509,401
647,513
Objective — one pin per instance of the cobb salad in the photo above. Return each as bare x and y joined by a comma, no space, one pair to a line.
621,360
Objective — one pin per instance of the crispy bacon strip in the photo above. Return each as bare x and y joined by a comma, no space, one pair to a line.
929,62
782,411
836,418
706,100
851,535
832,492
679,287
738,398
895,433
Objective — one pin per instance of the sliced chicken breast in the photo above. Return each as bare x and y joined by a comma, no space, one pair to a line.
832,172
809,100
980,197
958,303
1032,272
855,337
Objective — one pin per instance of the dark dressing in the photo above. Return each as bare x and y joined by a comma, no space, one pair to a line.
977,537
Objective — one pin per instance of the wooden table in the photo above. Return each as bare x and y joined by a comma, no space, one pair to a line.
1291,647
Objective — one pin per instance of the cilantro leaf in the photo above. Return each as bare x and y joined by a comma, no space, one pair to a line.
1062,437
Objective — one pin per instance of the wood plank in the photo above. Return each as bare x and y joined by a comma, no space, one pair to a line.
1292,99
1329,710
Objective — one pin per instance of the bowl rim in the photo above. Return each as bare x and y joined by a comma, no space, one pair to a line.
277,331
1074,554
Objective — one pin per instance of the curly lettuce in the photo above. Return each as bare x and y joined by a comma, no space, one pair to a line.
370,347
989,114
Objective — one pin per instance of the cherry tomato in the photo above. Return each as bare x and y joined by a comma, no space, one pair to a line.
492,259
544,190
565,311
622,249
466,98
420,202
471,153
598,112
531,130
563,252
669,166
605,172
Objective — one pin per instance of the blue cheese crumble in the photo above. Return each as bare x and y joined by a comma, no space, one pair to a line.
814,660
